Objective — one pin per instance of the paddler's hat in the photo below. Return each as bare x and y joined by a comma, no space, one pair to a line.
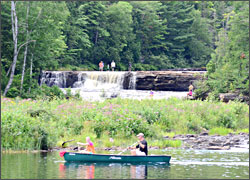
140,134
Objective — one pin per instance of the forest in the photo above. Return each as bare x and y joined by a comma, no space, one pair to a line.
151,35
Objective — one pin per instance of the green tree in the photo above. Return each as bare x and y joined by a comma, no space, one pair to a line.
119,26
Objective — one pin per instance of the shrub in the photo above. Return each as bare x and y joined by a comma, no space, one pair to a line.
13,92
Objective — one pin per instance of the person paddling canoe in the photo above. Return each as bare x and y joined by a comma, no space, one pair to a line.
90,149
142,147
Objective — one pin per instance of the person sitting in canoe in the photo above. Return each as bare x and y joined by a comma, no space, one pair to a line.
142,147
90,149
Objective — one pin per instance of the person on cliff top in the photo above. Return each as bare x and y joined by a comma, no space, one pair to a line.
101,65
90,149
113,65
142,147
129,66
190,88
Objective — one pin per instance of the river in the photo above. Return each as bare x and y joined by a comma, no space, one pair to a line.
192,164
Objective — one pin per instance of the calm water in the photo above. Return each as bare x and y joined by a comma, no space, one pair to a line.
184,164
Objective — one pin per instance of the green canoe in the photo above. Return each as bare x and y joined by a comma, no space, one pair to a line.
72,156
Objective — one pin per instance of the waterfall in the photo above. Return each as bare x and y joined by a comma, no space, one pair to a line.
80,81
132,81
89,80
52,78
103,80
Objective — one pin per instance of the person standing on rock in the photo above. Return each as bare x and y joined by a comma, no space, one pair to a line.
113,65
190,88
107,67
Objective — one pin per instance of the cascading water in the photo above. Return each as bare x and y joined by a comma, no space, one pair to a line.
132,81
88,80
103,80
56,78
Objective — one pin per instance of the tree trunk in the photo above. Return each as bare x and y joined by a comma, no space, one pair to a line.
26,47
31,62
7,74
15,32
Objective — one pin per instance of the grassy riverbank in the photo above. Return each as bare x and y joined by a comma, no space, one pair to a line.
29,124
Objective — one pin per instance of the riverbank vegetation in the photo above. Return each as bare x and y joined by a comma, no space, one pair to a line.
77,35
43,124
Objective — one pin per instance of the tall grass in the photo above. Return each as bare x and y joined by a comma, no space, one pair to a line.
41,124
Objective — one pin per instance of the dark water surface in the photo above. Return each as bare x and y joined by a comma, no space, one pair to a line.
192,164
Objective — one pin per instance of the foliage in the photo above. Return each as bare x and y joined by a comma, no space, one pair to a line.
228,70
53,120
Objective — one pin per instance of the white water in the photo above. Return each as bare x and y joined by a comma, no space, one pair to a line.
97,86
95,80
100,95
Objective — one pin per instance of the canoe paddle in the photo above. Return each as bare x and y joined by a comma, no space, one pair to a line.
127,148
67,141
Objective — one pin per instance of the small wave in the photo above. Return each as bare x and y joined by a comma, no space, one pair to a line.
212,163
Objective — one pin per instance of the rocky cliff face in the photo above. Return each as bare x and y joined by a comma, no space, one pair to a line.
166,80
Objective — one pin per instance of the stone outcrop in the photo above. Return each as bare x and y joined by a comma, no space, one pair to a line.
166,80
212,142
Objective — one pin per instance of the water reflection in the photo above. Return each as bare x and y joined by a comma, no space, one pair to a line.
107,170
186,164
139,171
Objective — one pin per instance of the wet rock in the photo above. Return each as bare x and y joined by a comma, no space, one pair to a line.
215,144
236,139
190,135
204,133
227,143
114,95
177,136
192,138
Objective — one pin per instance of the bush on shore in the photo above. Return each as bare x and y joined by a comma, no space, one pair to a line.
40,124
